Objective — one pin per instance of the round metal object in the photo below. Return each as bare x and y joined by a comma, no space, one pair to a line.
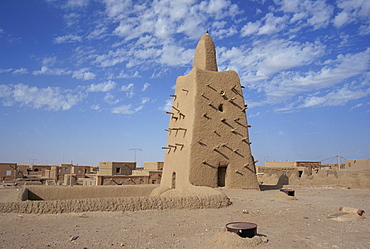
243,229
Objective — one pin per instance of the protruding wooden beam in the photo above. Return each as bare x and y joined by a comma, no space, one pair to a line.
176,108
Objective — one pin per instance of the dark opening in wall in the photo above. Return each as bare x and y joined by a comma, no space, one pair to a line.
221,176
173,180
221,107
300,172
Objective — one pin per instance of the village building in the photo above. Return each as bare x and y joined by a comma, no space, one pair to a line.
126,173
43,173
357,164
8,171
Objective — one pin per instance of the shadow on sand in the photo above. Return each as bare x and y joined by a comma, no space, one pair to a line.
270,187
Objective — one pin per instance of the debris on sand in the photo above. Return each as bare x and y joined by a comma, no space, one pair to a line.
347,213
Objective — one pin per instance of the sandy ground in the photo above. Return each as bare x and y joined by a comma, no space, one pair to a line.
301,223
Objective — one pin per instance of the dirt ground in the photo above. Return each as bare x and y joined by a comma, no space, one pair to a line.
300,223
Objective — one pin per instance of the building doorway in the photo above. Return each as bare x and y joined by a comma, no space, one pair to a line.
221,176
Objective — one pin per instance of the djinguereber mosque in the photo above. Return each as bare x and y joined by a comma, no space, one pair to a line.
208,142
208,147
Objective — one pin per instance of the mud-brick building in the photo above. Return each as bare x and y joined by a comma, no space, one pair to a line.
126,173
8,172
357,164
116,168
208,141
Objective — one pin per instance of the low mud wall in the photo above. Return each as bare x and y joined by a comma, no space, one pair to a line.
343,179
115,204
47,193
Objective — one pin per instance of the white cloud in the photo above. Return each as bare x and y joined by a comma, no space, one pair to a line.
5,91
20,71
68,39
250,28
288,84
95,107
173,55
102,87
356,9
49,61
145,87
110,99
52,98
129,89
151,27
265,59
52,71
165,18
364,29
6,70
126,109
123,75
356,106
144,100
83,74
46,69
316,14
341,19
272,24
335,98
77,3
71,19
98,33
168,106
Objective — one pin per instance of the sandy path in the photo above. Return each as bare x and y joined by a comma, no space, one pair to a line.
287,224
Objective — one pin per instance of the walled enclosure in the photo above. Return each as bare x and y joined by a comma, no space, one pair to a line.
208,142
106,198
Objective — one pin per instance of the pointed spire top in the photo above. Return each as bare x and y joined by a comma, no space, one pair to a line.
205,54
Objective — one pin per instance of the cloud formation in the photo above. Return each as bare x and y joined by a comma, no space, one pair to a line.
289,53
50,98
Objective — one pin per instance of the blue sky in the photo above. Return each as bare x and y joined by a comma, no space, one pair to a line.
87,80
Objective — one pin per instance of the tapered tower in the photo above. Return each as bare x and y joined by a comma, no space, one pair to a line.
208,142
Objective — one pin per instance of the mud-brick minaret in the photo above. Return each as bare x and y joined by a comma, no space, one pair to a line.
208,142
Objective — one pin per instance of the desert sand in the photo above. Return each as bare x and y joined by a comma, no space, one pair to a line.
282,223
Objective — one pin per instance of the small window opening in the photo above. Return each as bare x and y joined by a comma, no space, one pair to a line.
300,172
118,170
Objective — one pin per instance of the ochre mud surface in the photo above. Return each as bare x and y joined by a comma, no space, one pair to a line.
300,223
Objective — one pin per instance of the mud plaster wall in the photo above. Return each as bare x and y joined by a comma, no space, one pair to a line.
344,179
82,192
116,204
223,132
208,128
123,180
